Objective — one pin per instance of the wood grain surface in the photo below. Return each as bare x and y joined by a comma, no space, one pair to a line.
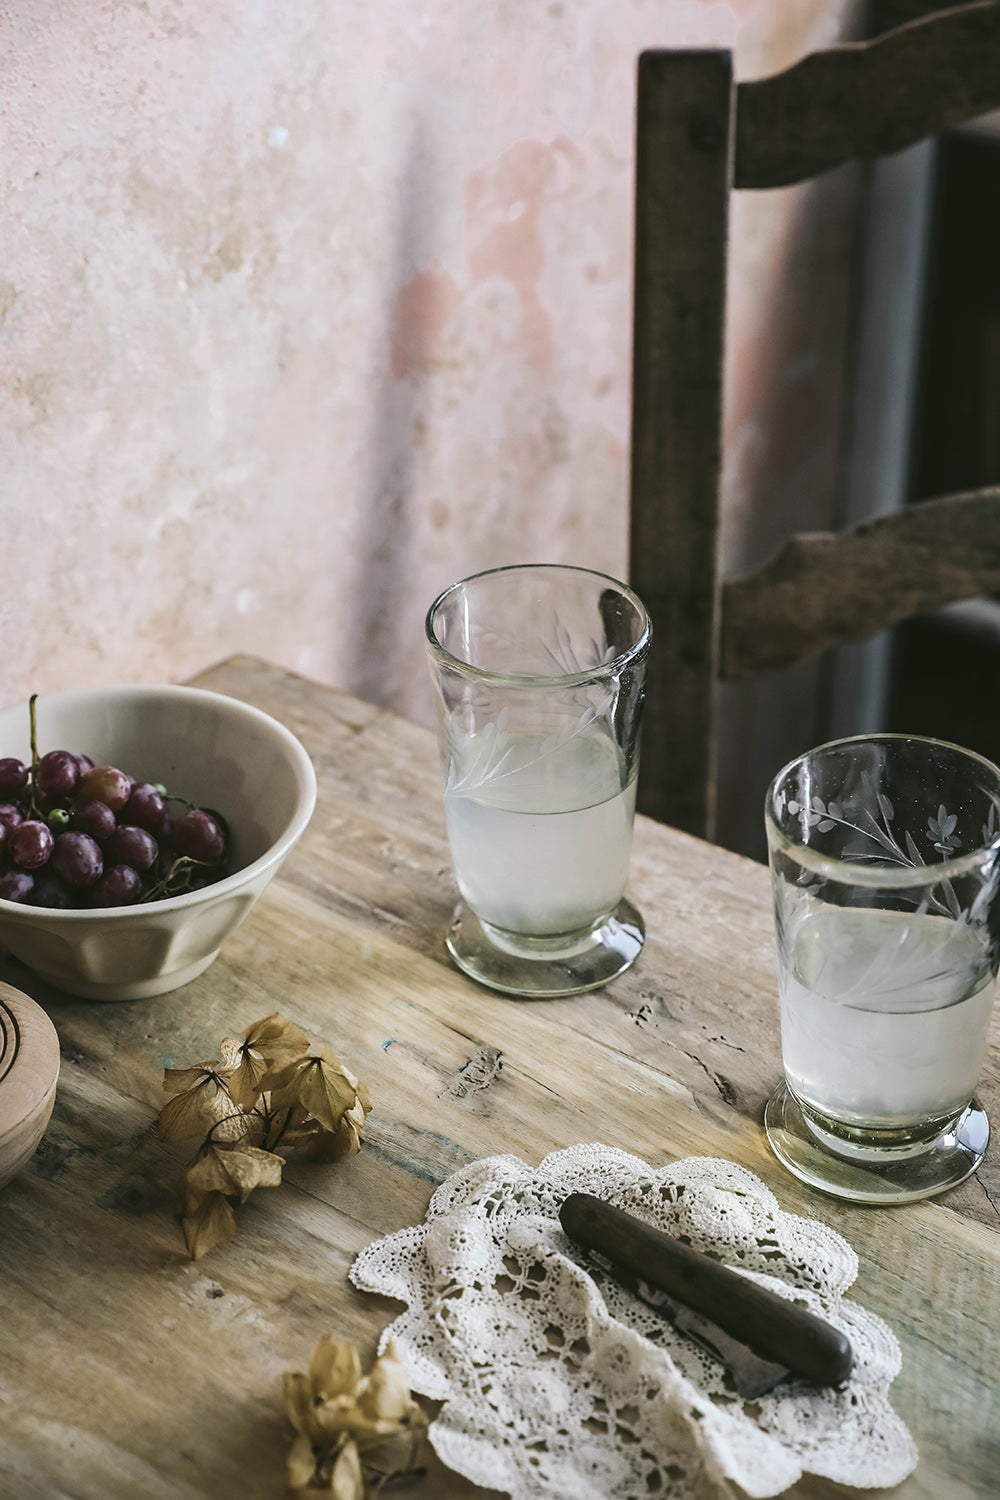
127,1371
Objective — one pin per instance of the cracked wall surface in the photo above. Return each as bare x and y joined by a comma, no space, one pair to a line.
307,311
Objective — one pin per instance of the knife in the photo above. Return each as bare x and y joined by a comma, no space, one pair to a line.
750,1375
775,1329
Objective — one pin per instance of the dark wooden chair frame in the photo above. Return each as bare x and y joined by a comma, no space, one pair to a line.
699,135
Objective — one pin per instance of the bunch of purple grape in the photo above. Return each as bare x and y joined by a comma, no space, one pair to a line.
73,834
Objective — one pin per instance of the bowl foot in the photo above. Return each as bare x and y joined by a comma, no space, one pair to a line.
140,989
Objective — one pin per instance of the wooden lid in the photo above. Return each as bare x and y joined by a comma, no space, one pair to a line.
29,1068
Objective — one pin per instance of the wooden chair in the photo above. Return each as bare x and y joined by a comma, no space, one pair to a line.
699,135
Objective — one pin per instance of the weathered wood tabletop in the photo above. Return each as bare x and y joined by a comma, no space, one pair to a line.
128,1371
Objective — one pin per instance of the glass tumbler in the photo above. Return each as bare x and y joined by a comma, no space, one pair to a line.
886,878
538,674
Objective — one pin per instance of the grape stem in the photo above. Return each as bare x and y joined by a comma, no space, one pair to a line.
33,723
165,887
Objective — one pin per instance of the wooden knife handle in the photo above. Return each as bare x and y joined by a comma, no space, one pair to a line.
772,1326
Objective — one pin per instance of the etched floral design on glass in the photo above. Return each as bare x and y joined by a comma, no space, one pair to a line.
885,857
538,674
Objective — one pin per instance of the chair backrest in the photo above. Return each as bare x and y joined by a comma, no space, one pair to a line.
699,135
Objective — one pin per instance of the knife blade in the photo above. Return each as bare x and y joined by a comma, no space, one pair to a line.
775,1329
750,1375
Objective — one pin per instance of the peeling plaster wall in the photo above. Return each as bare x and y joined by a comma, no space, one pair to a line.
308,310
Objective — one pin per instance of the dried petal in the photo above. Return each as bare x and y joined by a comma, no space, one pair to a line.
246,1080
347,1482
212,1223
316,1143
386,1393
321,1088
276,1040
239,1125
359,1088
266,1046
320,1144
176,1079
250,1167
334,1369
299,1402
300,1466
204,1175
197,1109
232,1170
231,1047
353,1123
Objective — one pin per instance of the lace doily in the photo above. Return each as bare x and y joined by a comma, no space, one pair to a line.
554,1387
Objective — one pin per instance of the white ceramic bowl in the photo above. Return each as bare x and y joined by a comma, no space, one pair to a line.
215,751
29,1069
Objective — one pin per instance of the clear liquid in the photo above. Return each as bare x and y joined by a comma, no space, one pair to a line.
542,847
884,1017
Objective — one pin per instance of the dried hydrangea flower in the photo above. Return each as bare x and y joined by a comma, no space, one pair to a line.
355,1431
267,1093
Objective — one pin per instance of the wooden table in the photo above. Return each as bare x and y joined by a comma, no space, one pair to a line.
129,1373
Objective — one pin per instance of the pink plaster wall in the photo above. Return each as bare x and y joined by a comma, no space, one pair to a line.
307,310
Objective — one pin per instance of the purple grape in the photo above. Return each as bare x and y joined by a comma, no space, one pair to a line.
95,818
120,885
77,859
74,835
16,885
13,777
50,891
146,807
223,825
199,836
106,784
131,846
30,844
57,774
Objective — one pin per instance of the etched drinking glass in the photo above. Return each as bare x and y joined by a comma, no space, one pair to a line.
884,861
538,674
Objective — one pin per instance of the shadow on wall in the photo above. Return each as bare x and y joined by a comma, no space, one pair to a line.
386,534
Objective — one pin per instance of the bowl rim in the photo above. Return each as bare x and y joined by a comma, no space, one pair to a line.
305,776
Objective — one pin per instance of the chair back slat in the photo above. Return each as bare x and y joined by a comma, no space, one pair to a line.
868,98
824,589
698,136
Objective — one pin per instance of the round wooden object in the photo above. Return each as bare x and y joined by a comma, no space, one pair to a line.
29,1070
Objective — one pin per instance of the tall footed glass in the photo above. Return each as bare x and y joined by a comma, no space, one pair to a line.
885,861
538,674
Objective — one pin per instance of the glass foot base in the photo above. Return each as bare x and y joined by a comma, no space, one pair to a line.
541,968
942,1164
